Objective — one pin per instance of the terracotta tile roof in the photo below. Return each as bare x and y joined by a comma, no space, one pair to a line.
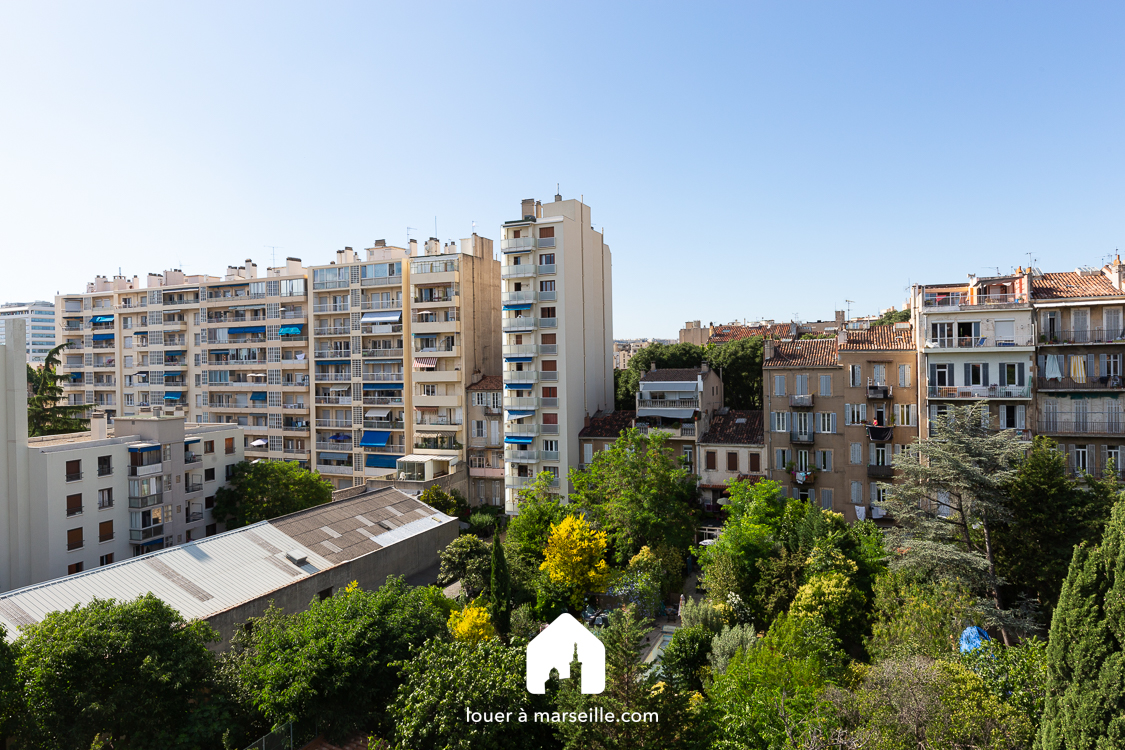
807,353
723,334
1071,285
735,428
609,425
488,383
878,338
671,374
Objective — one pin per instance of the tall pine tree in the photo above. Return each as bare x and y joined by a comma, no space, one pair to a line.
46,414
500,604
1086,654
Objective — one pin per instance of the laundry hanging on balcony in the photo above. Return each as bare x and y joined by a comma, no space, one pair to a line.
1054,368
384,317
1078,369
880,434
374,439
260,441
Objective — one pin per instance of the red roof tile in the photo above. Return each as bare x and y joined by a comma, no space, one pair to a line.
879,338
735,428
488,383
806,353
671,374
609,425
1071,285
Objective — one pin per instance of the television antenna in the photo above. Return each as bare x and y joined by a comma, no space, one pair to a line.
273,254
408,231
849,303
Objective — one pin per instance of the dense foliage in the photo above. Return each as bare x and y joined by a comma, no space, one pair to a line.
263,490
47,412
739,363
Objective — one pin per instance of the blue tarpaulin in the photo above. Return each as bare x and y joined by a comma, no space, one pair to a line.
172,395
972,638
518,359
518,306
103,337
102,319
374,439
290,331
382,386
519,386
143,448
336,362
518,439
258,396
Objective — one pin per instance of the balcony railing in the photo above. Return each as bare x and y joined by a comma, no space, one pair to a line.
332,423
381,304
520,482
1096,423
330,469
522,429
521,456
521,376
1087,336
799,436
520,271
193,517
880,472
147,470
192,458
522,323
334,400
519,244
193,486
962,300
333,331
332,354
383,377
331,308
977,392
139,535
448,421
383,353
332,377
1092,383
878,391
383,401
976,342
383,424
526,295
667,403
521,402
339,446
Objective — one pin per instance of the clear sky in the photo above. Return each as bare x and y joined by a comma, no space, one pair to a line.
747,160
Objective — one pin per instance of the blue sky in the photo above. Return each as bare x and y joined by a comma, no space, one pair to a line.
746,160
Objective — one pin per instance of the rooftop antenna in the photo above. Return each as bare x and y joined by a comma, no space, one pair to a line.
408,231
849,307
273,254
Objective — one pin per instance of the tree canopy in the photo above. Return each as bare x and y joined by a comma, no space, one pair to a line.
46,412
738,361
268,489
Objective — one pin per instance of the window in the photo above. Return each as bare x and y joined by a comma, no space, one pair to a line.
826,499
229,445
429,389
550,391
779,385
166,452
74,539
209,475
74,568
779,421
856,453
941,375
106,559
801,384
802,460
1112,365
879,374
825,385
212,529
879,454
209,502
547,259
855,413
74,504
857,493
546,312
105,498
732,460
549,365
551,446
73,470
974,374
781,458
105,531
755,463
826,421
855,376
105,466
550,419
904,376
878,494
478,428
711,460
546,286
824,460
230,471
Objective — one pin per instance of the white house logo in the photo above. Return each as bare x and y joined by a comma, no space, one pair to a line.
554,649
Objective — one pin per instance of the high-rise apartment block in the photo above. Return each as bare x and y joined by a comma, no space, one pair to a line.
397,338
40,318
558,338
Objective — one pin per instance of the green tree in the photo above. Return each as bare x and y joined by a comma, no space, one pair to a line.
728,643
663,356
891,317
46,414
539,509
468,560
739,362
1085,705
438,499
952,497
442,680
685,661
639,493
500,605
268,489
11,693
335,661
914,615
136,673
575,559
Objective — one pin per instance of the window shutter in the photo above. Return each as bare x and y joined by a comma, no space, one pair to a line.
1003,374
874,491
863,412
1101,365
1070,465
1021,414
495,431
984,374
847,413
1019,373
968,374
833,420
933,375
1089,366
871,454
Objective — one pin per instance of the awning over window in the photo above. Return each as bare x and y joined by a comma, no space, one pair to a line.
378,413
151,542
375,439
102,319
172,354
335,362
518,439
144,447
376,461
382,386
340,436
518,306
189,441
425,361
290,331
513,414
172,395
258,396
519,386
326,456
103,337
384,316
518,359
260,441
247,329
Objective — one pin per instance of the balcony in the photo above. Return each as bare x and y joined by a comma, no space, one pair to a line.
486,471
332,308
1093,423
192,517
880,472
146,501
344,423
438,421
521,376
522,323
801,437
526,295
1093,383
383,424
383,353
382,377
381,281
329,377
329,469
193,486
334,400
105,537
521,402
381,304
380,330
1082,338
192,458
801,400
337,446
522,429
516,482
332,354
382,400
521,456
979,300
978,392
147,470
976,342
332,331
520,244
878,391
520,271
139,535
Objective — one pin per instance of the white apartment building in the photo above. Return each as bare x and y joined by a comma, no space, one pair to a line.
74,502
216,350
557,304
398,336
40,317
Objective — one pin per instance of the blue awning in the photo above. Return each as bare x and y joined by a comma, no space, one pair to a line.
520,413
144,448
103,337
518,359
335,456
518,306
336,362
374,461
375,439
151,542
290,331
258,396
382,386
219,351
247,329
171,354
102,319
172,395
518,439
383,316
519,386
189,441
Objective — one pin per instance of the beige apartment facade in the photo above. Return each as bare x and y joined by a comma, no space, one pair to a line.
732,449
679,404
397,338
557,336
484,417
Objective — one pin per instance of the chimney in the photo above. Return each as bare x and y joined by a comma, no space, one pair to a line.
586,421
380,243
413,247
652,367
767,350
538,210
841,323
99,425
157,411
842,336
705,368
558,197
1115,272
527,208
793,330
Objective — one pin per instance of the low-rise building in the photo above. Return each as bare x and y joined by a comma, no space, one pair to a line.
679,403
600,432
485,416
732,448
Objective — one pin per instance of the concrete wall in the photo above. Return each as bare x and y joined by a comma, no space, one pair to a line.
458,479
15,473
403,558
